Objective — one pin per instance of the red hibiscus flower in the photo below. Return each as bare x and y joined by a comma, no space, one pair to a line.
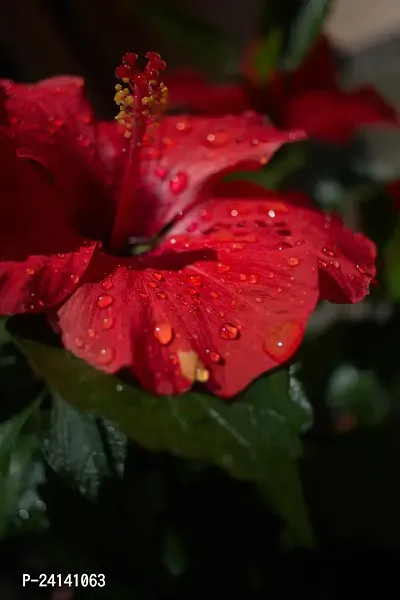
310,98
223,292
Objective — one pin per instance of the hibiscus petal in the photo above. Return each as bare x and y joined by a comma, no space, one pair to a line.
189,153
242,211
33,228
224,318
53,122
335,116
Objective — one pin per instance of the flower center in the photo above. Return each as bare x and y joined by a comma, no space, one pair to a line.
140,103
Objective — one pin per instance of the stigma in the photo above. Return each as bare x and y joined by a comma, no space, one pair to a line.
144,97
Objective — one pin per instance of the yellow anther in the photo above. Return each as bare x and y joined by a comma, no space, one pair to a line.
125,79
127,134
118,87
128,101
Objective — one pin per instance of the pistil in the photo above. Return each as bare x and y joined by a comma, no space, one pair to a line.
141,103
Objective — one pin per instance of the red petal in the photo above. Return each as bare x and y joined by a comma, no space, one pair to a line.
191,152
345,259
33,228
189,91
53,122
335,116
238,328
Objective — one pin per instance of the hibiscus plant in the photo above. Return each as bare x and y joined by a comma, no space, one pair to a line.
161,280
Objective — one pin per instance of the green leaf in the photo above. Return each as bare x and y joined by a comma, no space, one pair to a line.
200,42
304,31
392,255
287,161
80,448
357,394
20,472
255,438
268,54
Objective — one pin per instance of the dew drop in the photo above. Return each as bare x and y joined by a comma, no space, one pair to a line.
214,356
229,332
237,247
283,245
253,279
91,333
271,213
328,252
322,264
293,261
107,323
163,333
153,284
106,355
195,280
184,126
30,271
158,276
282,340
79,343
218,139
107,284
74,278
161,296
214,295
258,299
335,264
104,301
191,290
300,243
221,268
178,183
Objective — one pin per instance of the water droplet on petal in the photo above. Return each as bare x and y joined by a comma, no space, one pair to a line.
283,245
221,268
79,343
229,332
328,252
158,276
214,356
335,264
91,333
153,285
242,277
195,280
107,322
74,278
282,340
293,261
184,126
300,243
161,296
178,183
271,213
322,264
217,139
191,290
258,299
105,356
163,333
107,284
104,301
253,279
237,247
214,294
29,271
